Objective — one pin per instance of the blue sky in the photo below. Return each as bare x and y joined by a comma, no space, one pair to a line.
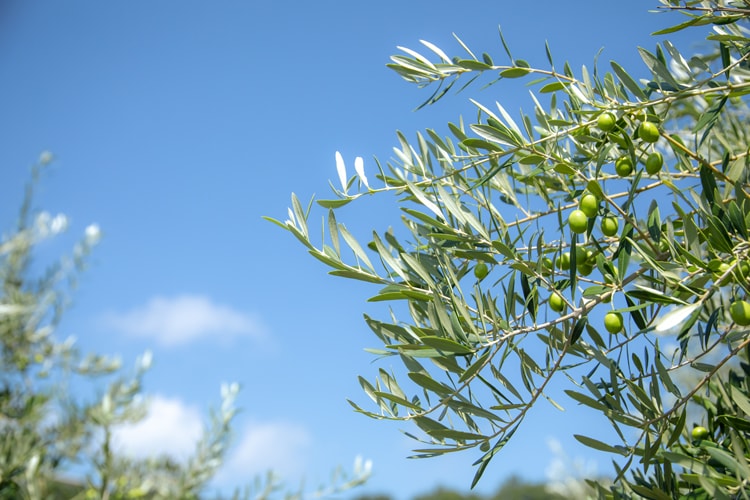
177,125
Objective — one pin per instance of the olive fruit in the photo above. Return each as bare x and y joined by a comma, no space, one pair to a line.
584,261
589,204
699,432
585,269
742,271
613,322
648,132
624,166
547,264
654,162
609,225
481,270
606,121
740,312
563,261
578,221
556,302
721,271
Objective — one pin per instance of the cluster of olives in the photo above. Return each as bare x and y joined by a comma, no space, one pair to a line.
588,208
585,261
648,132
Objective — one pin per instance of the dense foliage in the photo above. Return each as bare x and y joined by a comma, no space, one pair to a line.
602,239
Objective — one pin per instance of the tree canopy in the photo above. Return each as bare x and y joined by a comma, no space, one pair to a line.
601,239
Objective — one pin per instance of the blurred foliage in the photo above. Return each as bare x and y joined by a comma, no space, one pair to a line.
513,488
602,240
46,432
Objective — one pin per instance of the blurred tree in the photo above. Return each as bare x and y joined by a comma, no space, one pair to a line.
602,239
447,494
375,496
44,429
518,489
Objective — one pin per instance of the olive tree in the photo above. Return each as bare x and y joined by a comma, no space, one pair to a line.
601,239
48,431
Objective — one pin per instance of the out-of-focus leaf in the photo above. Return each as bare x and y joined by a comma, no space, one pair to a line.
484,461
445,345
675,317
599,445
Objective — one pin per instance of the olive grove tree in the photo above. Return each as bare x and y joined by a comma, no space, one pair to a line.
45,428
57,444
601,239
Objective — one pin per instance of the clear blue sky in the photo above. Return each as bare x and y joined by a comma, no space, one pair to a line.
178,124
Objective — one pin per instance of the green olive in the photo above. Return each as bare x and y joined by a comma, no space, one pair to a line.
648,132
563,261
606,121
699,433
556,302
589,204
578,221
624,166
481,270
613,322
740,312
609,225
654,162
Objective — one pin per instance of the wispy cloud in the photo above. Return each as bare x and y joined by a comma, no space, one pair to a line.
179,320
261,447
173,427
170,427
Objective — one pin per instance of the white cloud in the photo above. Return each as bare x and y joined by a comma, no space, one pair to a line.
173,427
261,447
170,427
181,319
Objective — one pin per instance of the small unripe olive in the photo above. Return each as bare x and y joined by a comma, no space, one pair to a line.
556,302
589,204
609,225
563,261
648,132
613,322
547,264
699,433
481,270
654,162
740,312
578,221
624,166
606,121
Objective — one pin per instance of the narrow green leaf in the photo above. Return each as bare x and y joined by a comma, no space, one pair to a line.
484,461
334,203
357,275
355,246
445,345
398,400
430,384
599,445
475,367
628,81
455,435
553,87
675,317
473,65
474,143
514,72
699,20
